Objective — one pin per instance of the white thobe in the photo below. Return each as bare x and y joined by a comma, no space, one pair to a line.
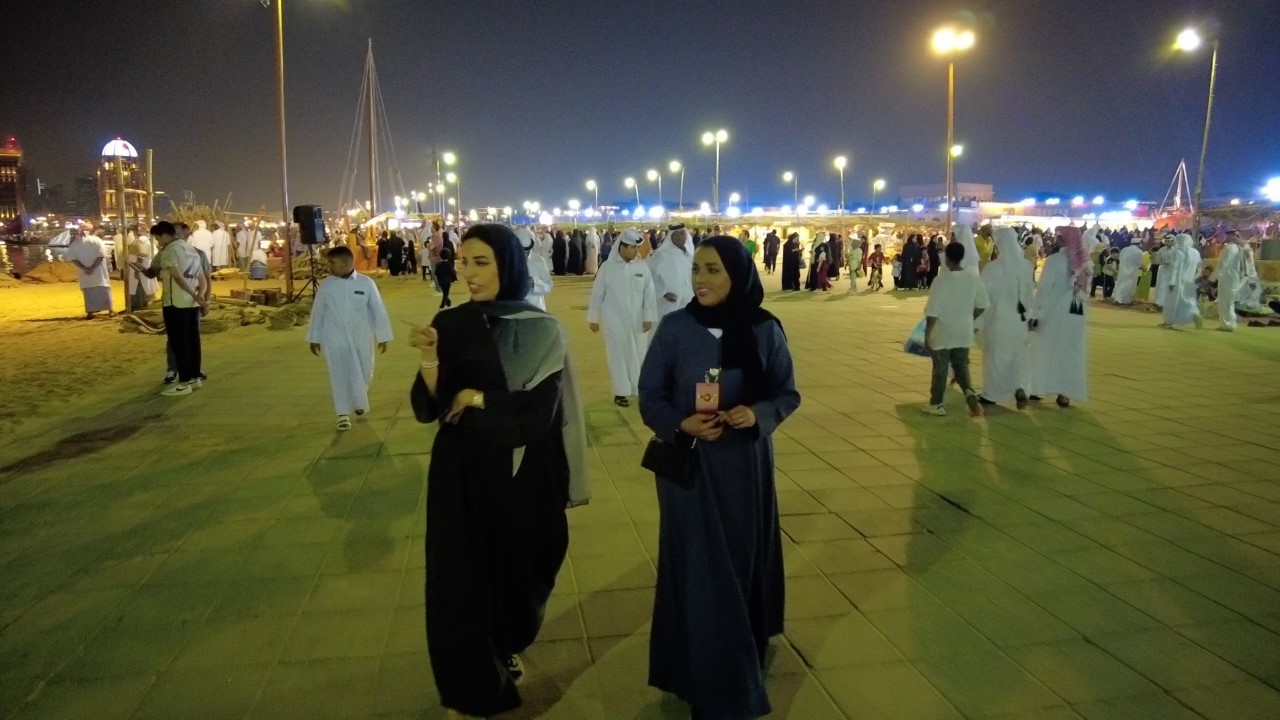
1127,275
1058,351
86,250
246,242
592,249
221,253
348,317
545,246
622,300
855,265
1005,365
201,239
141,251
971,261
539,281
672,270
1180,305
1166,256
1231,273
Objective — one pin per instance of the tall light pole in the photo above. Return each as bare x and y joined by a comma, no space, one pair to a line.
840,163
949,41
631,185
1188,41
452,179
675,167
794,179
716,138
876,187
591,185
449,160
284,155
653,176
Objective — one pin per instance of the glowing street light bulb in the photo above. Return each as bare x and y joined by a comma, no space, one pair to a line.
674,166
651,174
841,162
708,138
947,40
722,135
1077,201
451,178
788,176
591,184
957,150
629,182
449,158
809,200
507,211
574,205
734,198
878,185
1188,40
1098,200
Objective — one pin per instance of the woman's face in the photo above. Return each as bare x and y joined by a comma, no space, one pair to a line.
711,282
479,269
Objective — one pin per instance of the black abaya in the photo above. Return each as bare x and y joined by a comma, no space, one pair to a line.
910,261
791,266
559,254
495,542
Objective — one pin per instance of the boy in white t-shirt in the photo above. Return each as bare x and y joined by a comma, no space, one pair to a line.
956,299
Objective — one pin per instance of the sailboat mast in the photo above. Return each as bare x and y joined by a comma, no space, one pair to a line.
371,77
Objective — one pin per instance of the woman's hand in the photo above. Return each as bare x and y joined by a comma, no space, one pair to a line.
426,339
463,400
739,418
707,428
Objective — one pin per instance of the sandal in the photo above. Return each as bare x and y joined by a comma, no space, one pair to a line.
1064,401
344,422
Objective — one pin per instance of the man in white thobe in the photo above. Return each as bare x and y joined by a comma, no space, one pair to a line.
624,301
201,239
247,239
1231,274
672,268
539,274
1179,280
220,239
348,317
592,252
89,254
1165,256
1127,273
545,245
964,236
853,251
1006,368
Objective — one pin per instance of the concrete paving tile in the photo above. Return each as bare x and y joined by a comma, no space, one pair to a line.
285,560
1170,660
355,591
1242,594
603,539
624,571
101,698
1102,566
799,502
843,556
617,612
301,531
815,528
874,523
404,685
917,549
1093,611
838,641
1139,706
408,633
814,596
928,632
848,498
889,691
982,682
1167,559
347,634
882,590
1249,700
1080,672
1012,622
317,689
215,693
226,644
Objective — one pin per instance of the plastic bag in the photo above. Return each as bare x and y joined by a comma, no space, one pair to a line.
915,342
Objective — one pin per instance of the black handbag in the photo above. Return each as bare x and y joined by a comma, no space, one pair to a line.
675,462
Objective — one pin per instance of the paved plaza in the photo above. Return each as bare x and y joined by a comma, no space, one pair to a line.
229,555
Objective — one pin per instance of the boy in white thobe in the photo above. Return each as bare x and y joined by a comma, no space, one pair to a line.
623,298
347,319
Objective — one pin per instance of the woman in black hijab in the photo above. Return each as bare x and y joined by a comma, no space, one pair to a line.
910,257
791,254
508,457
577,255
720,588
559,254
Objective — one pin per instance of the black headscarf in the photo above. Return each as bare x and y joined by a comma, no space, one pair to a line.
508,252
737,315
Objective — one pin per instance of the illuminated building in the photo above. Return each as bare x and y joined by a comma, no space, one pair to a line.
135,180
13,188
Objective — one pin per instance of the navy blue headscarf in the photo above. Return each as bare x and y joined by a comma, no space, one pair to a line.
508,252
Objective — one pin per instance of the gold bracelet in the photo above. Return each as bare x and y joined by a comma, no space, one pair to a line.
429,365
477,400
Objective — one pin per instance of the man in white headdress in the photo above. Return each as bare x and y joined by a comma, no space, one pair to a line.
592,251
220,239
1162,266
672,268
89,254
546,244
853,251
247,239
624,301
1058,348
1179,280
964,235
201,239
140,287
1127,274
539,273
1006,371
1231,275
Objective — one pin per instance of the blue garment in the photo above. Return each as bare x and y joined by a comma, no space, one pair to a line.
721,587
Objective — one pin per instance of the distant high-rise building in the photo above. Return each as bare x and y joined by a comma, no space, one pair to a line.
84,202
13,188
49,199
135,180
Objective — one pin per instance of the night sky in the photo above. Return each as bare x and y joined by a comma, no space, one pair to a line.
1080,96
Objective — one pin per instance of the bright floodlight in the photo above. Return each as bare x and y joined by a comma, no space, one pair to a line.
918,207
1052,201
823,210
878,185
1188,40
734,198
708,138
506,210
449,158
957,150
439,187
947,40
704,208
652,175
629,182
1098,200
1028,202
1131,205
733,212
722,135
591,184
674,166
574,205
809,200
1235,201
655,212
451,177
841,162
788,176
1271,191
1077,200
785,210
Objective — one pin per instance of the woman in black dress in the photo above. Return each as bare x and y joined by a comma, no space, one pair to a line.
791,253
509,456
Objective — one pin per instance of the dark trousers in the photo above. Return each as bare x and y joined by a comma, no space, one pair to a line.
173,360
444,288
182,326
770,261
955,360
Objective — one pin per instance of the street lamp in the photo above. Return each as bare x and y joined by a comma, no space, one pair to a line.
840,163
631,184
653,176
957,151
716,138
1189,40
794,179
574,205
734,198
876,187
452,179
591,185
284,155
948,41
675,167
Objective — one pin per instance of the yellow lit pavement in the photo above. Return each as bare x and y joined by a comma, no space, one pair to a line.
228,555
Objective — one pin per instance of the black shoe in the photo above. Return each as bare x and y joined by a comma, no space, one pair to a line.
1037,398
203,376
1064,401
360,412
985,401
1021,398
621,401
170,378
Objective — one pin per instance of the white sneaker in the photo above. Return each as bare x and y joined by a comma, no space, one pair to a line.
935,410
197,384
516,668
178,389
